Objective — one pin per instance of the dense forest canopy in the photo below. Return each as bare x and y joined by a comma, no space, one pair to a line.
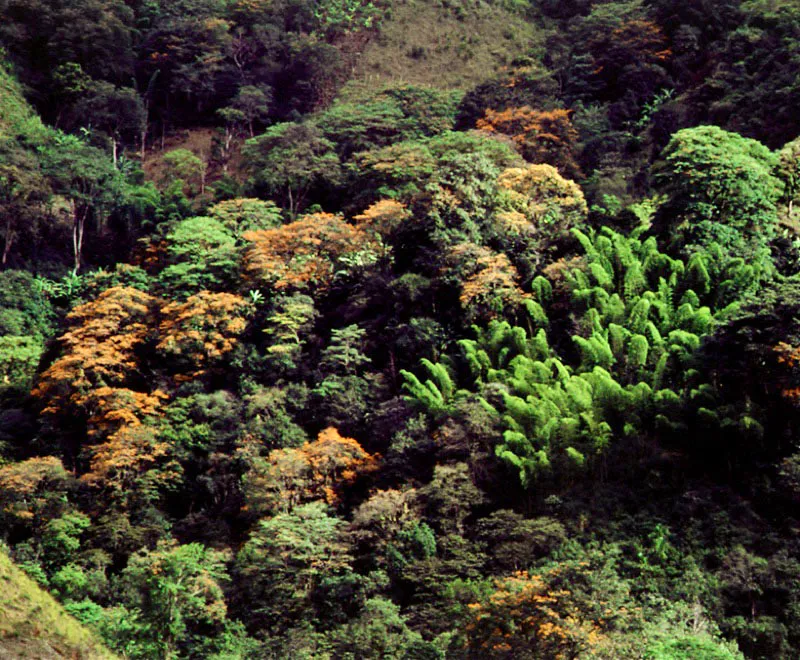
327,334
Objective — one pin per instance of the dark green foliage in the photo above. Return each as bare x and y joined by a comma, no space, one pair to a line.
393,114
290,162
284,563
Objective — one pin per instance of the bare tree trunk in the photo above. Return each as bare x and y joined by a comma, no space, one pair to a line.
9,241
114,148
143,146
78,226
226,147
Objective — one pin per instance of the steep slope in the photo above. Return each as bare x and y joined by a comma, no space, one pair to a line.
34,625
449,45
17,119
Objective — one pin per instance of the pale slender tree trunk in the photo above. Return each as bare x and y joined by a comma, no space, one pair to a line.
78,227
143,146
8,242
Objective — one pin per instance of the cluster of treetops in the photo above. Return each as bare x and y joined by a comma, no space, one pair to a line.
404,373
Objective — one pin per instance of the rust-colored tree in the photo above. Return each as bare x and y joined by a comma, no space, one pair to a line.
541,136
489,281
383,217
788,357
112,409
99,350
538,199
307,254
91,382
525,617
33,491
319,470
131,467
198,333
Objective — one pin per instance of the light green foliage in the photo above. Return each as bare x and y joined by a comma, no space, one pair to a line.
344,353
436,392
380,631
187,167
697,647
366,120
641,306
287,326
61,536
19,360
337,16
641,316
720,187
178,589
245,214
201,255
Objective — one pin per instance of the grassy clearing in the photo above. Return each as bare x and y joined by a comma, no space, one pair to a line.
34,625
452,45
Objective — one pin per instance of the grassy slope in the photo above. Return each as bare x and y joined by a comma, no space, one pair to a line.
16,116
425,42
34,625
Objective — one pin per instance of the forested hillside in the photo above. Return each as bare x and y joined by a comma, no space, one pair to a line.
401,329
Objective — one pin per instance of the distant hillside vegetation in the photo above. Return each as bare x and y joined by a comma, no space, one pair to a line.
454,44
34,625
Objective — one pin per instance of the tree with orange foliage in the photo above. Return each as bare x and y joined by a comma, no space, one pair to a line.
489,281
383,217
541,136
33,491
114,408
538,199
574,609
198,333
131,467
319,470
308,253
99,350
90,382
